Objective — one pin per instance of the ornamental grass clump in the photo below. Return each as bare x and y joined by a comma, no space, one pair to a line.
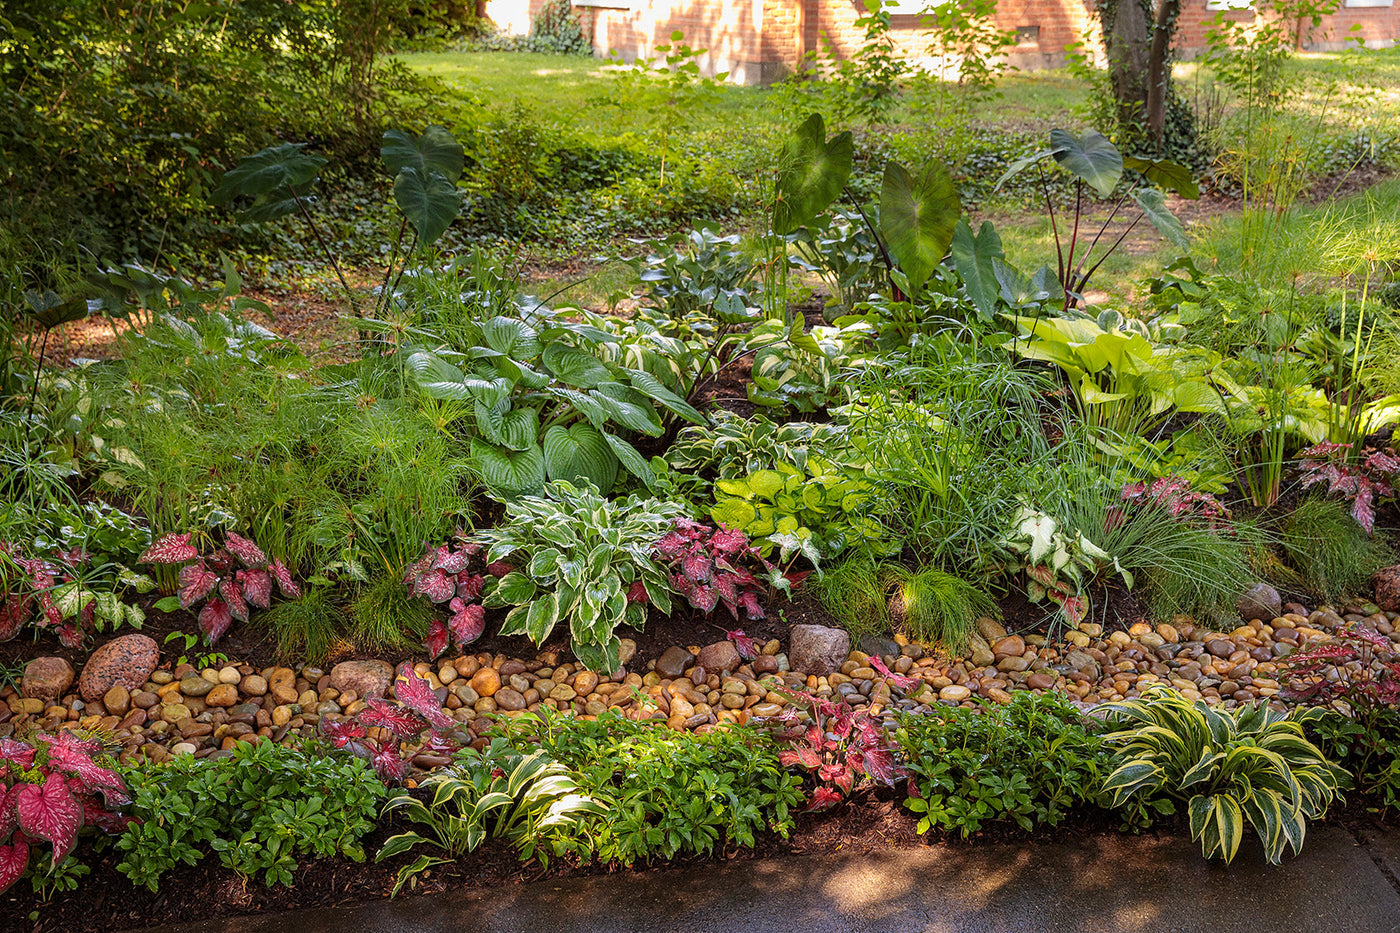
1228,766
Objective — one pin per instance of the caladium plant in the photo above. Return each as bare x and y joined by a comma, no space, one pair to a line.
1174,494
230,581
711,566
417,709
1361,480
840,746
66,592
444,575
49,790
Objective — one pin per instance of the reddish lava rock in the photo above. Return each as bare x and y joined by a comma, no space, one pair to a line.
1387,584
122,662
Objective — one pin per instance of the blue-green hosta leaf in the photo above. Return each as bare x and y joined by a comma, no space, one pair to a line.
652,387
575,367
437,377
437,150
429,201
580,455
1091,156
509,473
511,337
812,171
1154,205
513,429
918,216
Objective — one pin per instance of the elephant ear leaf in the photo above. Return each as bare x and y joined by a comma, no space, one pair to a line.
429,201
918,217
1154,205
263,174
812,172
437,150
1091,156
1165,174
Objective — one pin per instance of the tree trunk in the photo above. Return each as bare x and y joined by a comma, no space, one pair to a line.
1159,70
1127,40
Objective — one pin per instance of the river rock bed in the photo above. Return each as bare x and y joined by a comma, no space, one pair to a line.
154,714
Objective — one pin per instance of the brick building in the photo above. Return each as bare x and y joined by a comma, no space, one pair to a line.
758,41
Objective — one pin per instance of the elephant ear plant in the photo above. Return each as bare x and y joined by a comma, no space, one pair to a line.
1228,766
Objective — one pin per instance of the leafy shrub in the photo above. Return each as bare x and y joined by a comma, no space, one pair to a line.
1227,766
584,560
528,800
1031,762
1355,676
667,793
260,809
49,789
1330,550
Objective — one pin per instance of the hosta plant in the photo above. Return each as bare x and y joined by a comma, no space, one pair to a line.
444,575
713,566
230,580
49,790
1250,764
839,746
66,591
524,799
402,724
1057,567
1362,481
584,560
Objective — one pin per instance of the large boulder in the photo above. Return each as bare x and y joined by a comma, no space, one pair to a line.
1261,602
818,649
46,679
123,662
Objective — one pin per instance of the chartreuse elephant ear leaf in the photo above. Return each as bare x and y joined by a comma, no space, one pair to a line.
918,216
812,172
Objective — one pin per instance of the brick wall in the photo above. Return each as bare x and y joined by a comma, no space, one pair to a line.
758,41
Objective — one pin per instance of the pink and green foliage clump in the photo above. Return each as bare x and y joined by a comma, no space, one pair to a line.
444,574
839,746
402,724
50,790
230,580
711,566
1181,501
1361,481
59,592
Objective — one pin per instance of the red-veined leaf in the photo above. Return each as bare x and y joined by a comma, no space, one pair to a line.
169,549
499,568
470,585
283,576
389,765
704,598
69,636
214,619
104,819
420,566
400,720
50,811
749,601
413,691
436,640
697,567
232,594
802,756
249,553
746,646
342,732
879,764
637,592
729,541
845,778
257,587
14,860
196,582
449,561
436,585
725,586
898,680
467,622
671,545
823,798
795,577
9,819
20,753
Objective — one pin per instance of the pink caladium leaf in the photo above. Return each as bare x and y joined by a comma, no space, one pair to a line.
420,566
726,585
823,798
16,752
413,691
729,541
470,585
400,720
749,601
69,636
9,819
499,568
249,553
671,545
92,777
170,549
283,576
704,598
389,765
214,619
14,610
257,587
449,561
342,732
637,593
14,861
803,756
697,568
50,811
440,744
436,640
880,765
196,582
745,645
437,585
467,622
232,594
104,819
